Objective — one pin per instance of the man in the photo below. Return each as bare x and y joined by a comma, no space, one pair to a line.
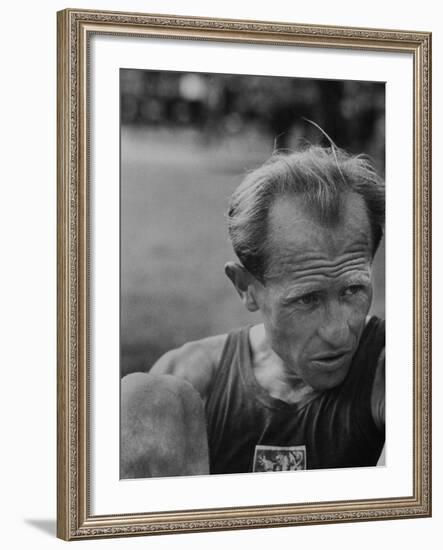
308,383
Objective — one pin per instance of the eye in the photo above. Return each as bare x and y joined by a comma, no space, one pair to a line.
310,299
353,289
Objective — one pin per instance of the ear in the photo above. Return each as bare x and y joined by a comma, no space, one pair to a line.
244,283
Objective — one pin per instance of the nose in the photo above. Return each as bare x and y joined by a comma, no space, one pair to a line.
334,329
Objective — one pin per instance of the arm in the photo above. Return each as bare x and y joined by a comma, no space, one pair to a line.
195,362
378,400
378,393
382,458
163,425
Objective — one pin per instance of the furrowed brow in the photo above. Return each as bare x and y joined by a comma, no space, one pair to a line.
358,278
300,290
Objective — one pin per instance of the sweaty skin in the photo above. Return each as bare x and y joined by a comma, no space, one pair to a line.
316,296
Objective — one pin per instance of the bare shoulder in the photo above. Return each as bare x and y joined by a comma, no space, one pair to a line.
194,362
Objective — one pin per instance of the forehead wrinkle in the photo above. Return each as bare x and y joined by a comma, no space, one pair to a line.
324,251
301,287
291,262
329,271
318,259
297,241
318,272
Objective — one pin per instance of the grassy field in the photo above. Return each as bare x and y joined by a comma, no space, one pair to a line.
174,191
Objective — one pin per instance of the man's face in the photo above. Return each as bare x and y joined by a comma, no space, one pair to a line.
318,289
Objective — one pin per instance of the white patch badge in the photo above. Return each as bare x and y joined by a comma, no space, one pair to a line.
270,458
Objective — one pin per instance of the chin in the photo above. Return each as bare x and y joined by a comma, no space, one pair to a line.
328,380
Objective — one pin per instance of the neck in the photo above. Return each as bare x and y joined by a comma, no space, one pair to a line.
271,372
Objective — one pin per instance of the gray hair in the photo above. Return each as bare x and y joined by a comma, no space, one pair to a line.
322,176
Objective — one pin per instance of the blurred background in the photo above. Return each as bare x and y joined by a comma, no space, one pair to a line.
187,139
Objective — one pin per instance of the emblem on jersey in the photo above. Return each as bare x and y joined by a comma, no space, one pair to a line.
269,458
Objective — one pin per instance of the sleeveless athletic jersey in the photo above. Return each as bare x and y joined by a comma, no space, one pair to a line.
249,430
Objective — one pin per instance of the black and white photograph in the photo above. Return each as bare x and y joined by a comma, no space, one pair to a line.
243,273
252,274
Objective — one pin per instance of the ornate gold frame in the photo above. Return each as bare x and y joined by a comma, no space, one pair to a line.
74,520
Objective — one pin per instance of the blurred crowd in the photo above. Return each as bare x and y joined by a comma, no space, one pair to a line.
220,105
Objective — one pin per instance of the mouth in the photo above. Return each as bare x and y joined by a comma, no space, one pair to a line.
331,360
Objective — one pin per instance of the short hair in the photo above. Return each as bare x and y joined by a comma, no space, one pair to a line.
322,176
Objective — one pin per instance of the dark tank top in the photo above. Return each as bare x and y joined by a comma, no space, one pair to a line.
249,430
